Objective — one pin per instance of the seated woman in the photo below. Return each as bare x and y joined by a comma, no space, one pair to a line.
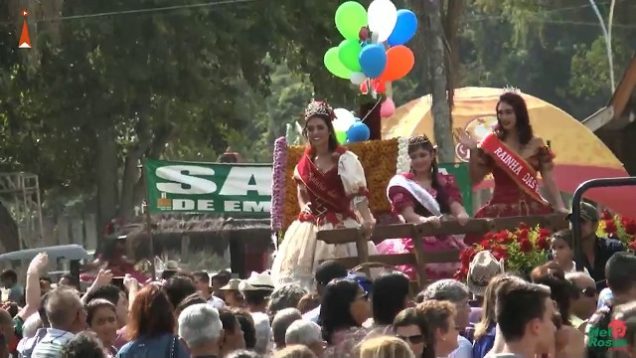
424,195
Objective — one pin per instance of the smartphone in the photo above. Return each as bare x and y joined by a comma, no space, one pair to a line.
119,282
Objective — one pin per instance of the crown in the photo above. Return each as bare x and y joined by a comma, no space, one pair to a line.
511,89
319,109
419,140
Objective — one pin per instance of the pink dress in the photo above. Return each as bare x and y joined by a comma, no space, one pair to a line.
402,198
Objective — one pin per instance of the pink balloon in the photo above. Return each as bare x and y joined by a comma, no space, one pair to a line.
387,108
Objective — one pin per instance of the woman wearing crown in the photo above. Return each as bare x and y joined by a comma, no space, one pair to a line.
332,193
514,156
424,195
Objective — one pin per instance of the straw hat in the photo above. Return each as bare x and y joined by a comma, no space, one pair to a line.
481,270
233,284
258,282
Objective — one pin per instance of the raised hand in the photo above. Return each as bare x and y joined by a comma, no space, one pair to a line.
465,139
39,262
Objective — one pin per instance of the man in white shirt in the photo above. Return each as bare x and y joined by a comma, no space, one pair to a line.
202,283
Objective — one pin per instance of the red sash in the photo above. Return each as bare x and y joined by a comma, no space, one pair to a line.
514,165
325,189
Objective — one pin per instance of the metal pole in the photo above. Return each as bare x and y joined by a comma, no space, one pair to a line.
150,238
576,209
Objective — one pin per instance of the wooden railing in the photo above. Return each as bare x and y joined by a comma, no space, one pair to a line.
419,258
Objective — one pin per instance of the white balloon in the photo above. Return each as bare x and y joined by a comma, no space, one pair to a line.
382,18
344,119
357,78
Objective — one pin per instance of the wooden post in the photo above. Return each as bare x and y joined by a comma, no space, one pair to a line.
363,250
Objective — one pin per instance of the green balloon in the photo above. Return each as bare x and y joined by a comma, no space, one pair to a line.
349,53
351,16
341,137
333,64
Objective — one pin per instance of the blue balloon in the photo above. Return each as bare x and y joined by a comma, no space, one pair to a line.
405,28
373,60
358,132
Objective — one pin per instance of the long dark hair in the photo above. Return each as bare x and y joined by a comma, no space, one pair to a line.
334,309
422,142
389,296
524,129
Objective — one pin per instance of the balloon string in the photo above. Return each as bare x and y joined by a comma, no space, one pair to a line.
372,109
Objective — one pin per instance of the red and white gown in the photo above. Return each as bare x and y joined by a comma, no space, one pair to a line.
403,192
333,195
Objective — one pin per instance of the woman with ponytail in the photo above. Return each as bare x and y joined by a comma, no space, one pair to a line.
424,195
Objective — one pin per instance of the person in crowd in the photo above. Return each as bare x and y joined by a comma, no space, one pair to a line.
232,295
45,284
390,296
584,298
411,327
84,345
481,270
297,351
201,328
306,333
440,318
193,299
219,280
9,280
285,296
485,330
151,327
596,250
514,194
27,343
281,322
308,302
6,332
619,271
562,250
626,313
244,354
457,293
332,192
232,338
101,316
326,272
561,293
384,347
525,315
424,195
69,280
179,287
345,307
66,316
256,290
114,295
202,284
246,323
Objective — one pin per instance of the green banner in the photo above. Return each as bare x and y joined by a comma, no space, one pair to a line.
460,171
208,187
234,188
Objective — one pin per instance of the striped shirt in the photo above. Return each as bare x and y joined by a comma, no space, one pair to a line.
51,345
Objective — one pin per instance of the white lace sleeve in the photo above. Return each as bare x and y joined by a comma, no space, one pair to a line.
352,176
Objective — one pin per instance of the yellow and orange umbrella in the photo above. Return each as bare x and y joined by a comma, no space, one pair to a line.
580,155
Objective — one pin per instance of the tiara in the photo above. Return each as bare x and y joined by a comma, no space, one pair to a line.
319,109
420,139
511,89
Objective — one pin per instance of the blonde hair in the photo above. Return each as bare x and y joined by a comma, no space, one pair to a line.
384,347
295,351
490,301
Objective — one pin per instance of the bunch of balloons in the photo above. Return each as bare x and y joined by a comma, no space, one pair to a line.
349,128
373,51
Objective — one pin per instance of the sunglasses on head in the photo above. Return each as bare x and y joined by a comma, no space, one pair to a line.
589,292
416,339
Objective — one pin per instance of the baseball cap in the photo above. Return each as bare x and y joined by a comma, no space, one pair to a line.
588,212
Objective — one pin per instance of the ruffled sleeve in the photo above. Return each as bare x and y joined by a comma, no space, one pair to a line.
400,199
546,157
352,175
448,182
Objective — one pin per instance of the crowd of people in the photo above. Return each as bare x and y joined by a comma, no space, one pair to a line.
552,313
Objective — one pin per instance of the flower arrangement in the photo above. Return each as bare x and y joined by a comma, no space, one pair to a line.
378,157
617,227
278,183
521,249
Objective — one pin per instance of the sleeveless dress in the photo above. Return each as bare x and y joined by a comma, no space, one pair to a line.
400,199
507,198
333,195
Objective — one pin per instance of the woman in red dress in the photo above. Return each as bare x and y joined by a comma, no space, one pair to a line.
425,195
514,156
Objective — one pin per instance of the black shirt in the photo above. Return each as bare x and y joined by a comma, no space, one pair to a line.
603,250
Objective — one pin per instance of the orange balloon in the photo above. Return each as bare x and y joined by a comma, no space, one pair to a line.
400,61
